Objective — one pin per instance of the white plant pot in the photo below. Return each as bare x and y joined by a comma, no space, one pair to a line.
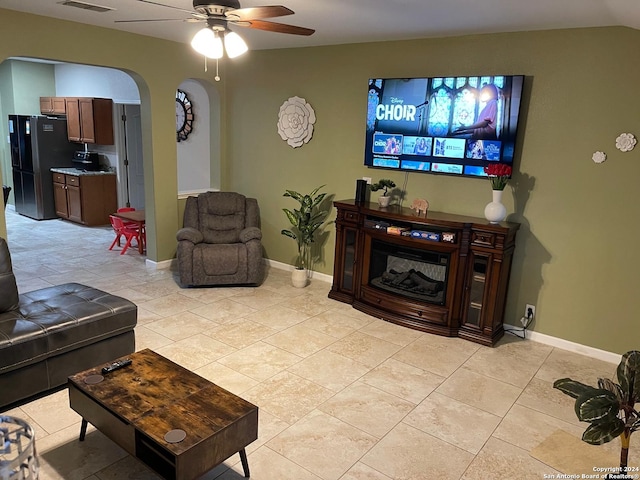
384,201
299,278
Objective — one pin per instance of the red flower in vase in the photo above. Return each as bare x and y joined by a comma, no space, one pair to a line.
499,174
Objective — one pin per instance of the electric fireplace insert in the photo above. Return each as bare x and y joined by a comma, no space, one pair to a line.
417,274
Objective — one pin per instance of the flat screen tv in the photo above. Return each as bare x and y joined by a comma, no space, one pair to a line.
445,125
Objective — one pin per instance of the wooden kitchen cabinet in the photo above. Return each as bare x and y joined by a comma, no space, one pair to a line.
87,199
90,120
53,105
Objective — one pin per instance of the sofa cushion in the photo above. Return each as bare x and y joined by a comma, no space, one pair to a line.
58,319
9,297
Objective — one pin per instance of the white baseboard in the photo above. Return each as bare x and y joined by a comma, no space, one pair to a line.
163,264
570,346
323,277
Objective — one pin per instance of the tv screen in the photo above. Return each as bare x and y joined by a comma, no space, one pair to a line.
447,125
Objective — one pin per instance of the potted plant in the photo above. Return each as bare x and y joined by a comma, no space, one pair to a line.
305,221
383,184
609,408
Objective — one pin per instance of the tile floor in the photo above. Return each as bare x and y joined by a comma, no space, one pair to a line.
342,395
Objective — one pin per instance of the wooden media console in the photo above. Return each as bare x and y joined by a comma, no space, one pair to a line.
440,273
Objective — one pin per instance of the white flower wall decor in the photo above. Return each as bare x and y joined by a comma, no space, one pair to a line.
599,157
295,121
626,142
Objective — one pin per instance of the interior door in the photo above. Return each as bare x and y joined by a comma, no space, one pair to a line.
132,132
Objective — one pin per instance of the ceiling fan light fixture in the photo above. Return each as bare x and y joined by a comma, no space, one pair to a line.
234,45
207,42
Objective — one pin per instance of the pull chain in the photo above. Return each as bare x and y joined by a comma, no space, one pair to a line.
206,69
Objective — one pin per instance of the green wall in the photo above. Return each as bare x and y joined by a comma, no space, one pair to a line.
21,86
579,96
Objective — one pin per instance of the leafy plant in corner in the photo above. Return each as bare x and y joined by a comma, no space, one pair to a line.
383,183
305,222
609,408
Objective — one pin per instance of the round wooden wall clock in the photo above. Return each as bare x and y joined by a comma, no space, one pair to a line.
184,115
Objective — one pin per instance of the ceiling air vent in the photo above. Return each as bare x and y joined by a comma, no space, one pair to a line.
86,6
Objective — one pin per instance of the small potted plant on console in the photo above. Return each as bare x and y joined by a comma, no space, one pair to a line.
383,184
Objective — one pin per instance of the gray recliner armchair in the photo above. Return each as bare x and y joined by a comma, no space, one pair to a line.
220,242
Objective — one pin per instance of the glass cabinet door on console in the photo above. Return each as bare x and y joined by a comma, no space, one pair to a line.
348,269
476,290
345,270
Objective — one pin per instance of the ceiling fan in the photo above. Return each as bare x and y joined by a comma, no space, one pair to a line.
218,14
216,37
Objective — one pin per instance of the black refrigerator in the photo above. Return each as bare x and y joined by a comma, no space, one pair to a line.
37,145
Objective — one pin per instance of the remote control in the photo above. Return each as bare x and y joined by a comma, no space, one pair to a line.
116,365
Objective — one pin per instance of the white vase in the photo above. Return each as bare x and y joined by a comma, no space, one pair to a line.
495,211
299,278
383,200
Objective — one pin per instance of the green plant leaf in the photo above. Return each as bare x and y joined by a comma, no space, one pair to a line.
597,406
316,190
293,194
607,384
293,219
629,376
318,199
599,433
572,388
289,234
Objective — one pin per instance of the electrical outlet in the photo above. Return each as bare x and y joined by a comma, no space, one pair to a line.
368,179
533,311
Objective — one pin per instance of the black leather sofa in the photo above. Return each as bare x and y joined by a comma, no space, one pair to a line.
48,334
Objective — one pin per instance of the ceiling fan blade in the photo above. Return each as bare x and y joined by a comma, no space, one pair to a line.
250,13
277,27
151,20
167,6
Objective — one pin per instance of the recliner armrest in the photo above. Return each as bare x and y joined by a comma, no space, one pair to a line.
190,234
250,233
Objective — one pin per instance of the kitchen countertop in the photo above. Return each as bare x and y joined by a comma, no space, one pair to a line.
78,173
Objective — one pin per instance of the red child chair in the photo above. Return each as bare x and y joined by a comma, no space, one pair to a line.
129,232
126,223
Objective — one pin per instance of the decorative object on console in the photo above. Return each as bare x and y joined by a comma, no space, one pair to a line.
383,184
305,223
609,408
361,191
498,174
626,142
495,211
295,121
599,157
420,205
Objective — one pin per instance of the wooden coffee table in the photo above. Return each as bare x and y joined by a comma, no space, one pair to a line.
148,406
